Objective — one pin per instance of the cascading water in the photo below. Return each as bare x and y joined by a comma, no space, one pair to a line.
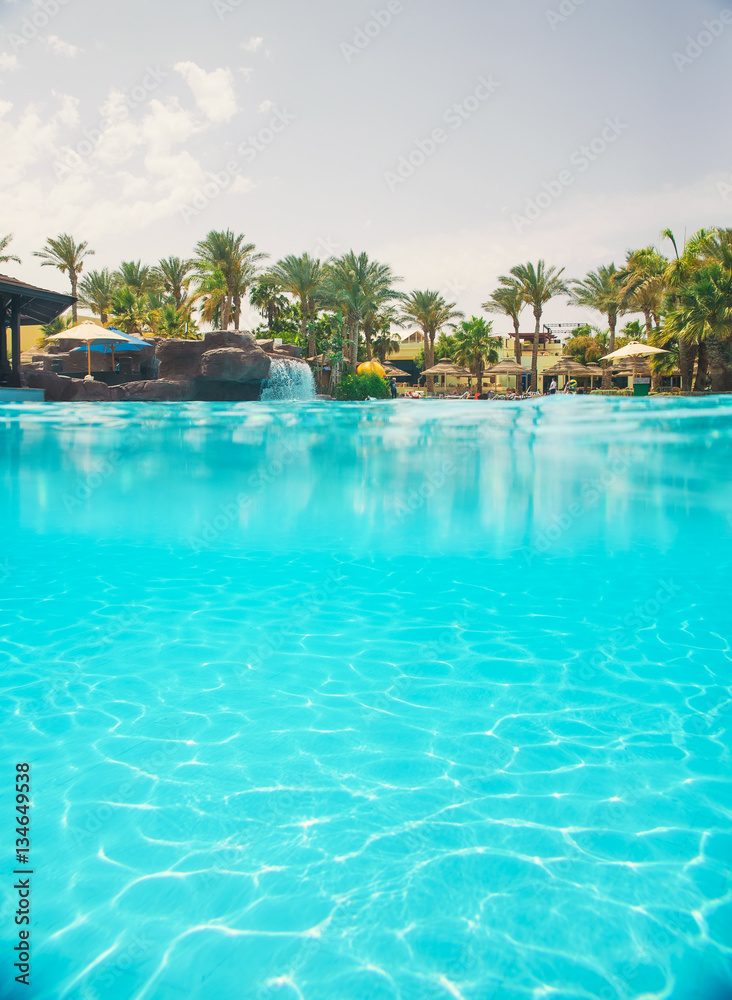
288,381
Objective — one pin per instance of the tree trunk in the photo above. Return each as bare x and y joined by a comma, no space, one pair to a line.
535,353
103,317
237,311
649,321
304,325
702,367
226,311
429,362
479,374
686,364
517,341
74,313
607,377
369,352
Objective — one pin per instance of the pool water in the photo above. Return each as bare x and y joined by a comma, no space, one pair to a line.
363,702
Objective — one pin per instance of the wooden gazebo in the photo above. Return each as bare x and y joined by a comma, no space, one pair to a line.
24,305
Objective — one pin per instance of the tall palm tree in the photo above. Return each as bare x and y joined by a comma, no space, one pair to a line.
509,301
431,313
265,297
173,275
357,286
302,278
704,312
677,274
538,284
602,291
141,278
68,256
96,290
5,242
644,285
474,345
227,257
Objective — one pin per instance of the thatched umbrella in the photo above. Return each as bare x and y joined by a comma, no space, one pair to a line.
508,367
446,367
392,372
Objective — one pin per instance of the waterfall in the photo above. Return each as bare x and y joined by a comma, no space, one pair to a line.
288,380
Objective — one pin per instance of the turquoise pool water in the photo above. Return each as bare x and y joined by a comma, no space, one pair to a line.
413,701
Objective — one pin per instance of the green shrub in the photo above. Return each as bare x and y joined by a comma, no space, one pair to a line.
355,387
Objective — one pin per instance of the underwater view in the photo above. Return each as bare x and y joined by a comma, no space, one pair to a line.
377,701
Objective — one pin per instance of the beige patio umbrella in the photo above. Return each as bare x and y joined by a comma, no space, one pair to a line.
89,333
634,350
508,367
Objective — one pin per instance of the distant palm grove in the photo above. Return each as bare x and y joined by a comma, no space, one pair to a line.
345,308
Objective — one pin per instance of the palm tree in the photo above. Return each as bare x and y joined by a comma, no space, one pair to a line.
130,310
703,313
509,301
538,284
644,285
5,242
357,287
57,325
302,278
265,297
225,256
431,313
95,292
173,275
173,321
677,274
141,278
378,323
385,343
68,256
474,345
602,291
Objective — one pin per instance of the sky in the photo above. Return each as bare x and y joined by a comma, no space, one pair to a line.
451,141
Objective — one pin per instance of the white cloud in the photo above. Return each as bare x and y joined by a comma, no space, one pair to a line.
62,48
213,92
265,106
8,61
252,44
241,185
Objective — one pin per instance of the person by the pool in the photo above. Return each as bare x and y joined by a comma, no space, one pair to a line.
393,388
553,387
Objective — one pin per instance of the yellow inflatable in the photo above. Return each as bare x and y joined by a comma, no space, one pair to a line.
371,368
